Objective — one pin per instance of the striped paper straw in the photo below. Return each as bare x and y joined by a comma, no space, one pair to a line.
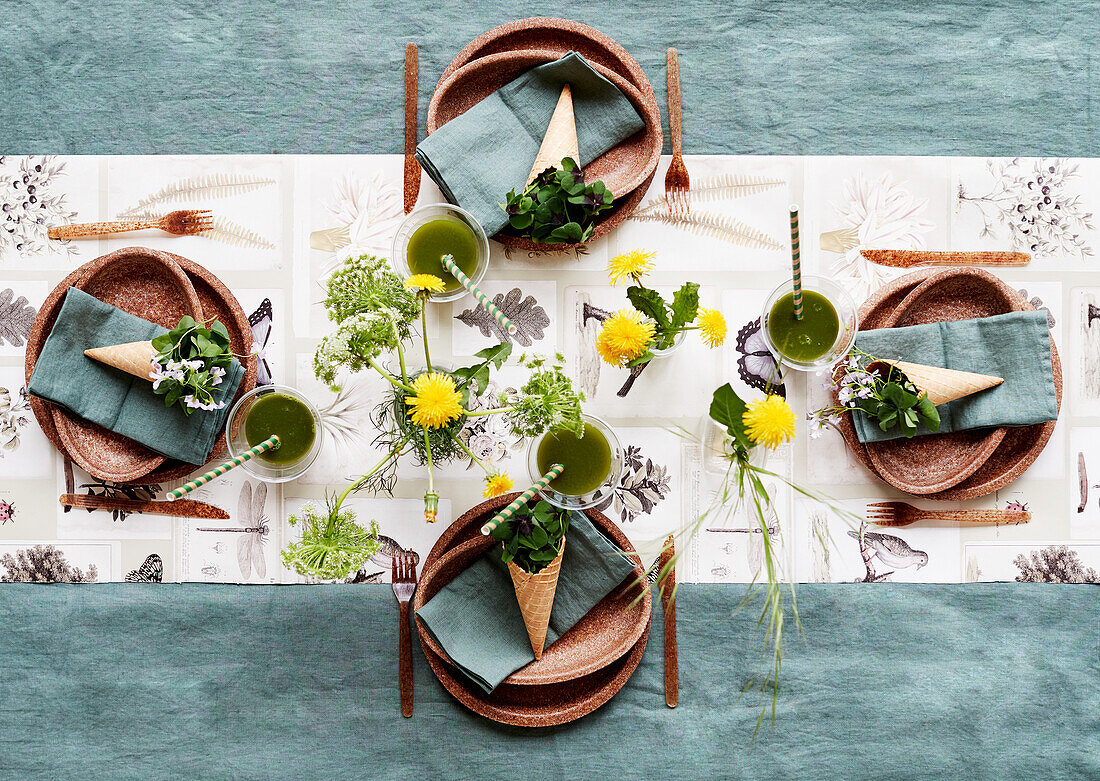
522,499
270,443
796,264
490,307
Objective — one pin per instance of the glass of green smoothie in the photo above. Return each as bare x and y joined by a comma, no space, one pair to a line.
824,334
435,230
593,464
275,409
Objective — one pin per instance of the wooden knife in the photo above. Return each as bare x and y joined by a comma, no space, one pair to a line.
412,167
903,258
667,582
181,508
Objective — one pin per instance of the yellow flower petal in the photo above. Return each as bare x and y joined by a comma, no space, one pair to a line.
769,421
495,485
429,282
630,265
435,401
624,336
712,325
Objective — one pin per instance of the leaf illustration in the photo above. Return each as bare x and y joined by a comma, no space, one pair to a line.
724,187
529,318
205,187
229,232
16,318
716,226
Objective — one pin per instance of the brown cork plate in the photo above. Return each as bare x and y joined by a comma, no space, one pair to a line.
216,301
555,38
1017,450
576,674
558,35
143,282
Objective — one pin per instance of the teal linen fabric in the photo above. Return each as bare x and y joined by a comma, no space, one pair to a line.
967,77
985,682
475,618
113,399
477,158
1015,346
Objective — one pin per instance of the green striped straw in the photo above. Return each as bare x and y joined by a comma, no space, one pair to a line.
522,499
271,443
491,308
796,264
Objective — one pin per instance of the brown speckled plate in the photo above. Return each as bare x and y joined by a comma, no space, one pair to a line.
216,301
558,35
143,282
576,674
1017,450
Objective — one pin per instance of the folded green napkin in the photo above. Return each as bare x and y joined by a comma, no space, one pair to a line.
113,399
476,619
479,156
1015,346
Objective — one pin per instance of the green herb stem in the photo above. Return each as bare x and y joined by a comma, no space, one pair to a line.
470,453
424,330
387,376
494,411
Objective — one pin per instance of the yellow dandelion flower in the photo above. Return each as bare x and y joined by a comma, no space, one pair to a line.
769,421
495,485
435,401
624,336
630,265
712,325
429,282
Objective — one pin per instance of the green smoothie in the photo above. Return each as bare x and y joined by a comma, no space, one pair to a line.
436,238
587,460
807,339
278,413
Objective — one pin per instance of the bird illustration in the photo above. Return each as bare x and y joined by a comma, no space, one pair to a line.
891,551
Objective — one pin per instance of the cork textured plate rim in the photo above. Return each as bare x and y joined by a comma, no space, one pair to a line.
99,452
1016,453
463,536
170,469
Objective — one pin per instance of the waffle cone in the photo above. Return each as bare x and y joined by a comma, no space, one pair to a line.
560,140
134,358
944,385
535,594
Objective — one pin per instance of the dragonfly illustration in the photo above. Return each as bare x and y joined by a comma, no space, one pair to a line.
253,530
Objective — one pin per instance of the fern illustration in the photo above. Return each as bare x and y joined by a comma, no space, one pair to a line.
229,232
715,188
716,226
197,188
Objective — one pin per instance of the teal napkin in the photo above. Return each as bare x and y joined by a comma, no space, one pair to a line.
475,618
478,157
114,399
1015,346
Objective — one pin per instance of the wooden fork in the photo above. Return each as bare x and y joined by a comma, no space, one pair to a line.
902,514
404,584
677,182
186,222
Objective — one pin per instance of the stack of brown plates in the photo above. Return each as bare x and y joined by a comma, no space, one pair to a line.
157,286
499,56
577,674
966,464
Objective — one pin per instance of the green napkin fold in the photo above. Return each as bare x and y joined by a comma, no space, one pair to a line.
1015,346
476,158
113,399
476,619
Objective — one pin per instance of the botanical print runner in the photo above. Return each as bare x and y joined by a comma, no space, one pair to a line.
284,223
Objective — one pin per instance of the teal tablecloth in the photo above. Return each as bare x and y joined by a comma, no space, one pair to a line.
133,681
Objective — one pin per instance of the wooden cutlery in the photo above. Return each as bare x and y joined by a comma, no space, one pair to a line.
185,222
404,584
902,514
666,579
183,508
412,167
901,258
677,181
